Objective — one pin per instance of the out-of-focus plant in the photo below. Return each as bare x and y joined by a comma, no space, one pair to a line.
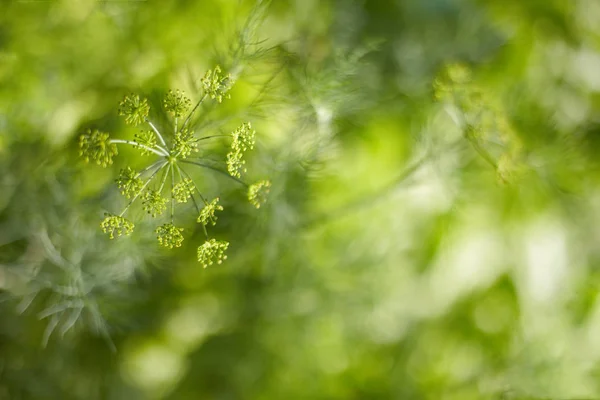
481,119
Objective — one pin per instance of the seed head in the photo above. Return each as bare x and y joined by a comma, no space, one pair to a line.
134,109
96,146
258,192
177,103
169,236
207,214
115,225
212,251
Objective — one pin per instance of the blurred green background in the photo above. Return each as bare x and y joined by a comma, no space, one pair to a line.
433,225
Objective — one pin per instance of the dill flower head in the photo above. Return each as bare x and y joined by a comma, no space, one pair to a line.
207,214
153,203
116,225
258,192
129,183
169,236
184,144
216,85
235,163
243,140
183,190
177,103
134,109
96,146
173,145
147,139
243,137
212,251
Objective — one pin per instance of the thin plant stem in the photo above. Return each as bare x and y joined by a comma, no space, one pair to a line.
172,198
483,153
148,168
142,189
192,112
176,120
210,137
132,143
157,132
195,187
216,170
203,226
180,171
198,210
164,179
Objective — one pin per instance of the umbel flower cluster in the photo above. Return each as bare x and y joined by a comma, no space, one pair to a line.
165,182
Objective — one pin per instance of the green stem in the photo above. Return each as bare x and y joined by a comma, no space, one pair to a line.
483,153
162,153
210,137
198,211
142,189
216,170
164,179
148,168
172,198
157,133
195,187
192,112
